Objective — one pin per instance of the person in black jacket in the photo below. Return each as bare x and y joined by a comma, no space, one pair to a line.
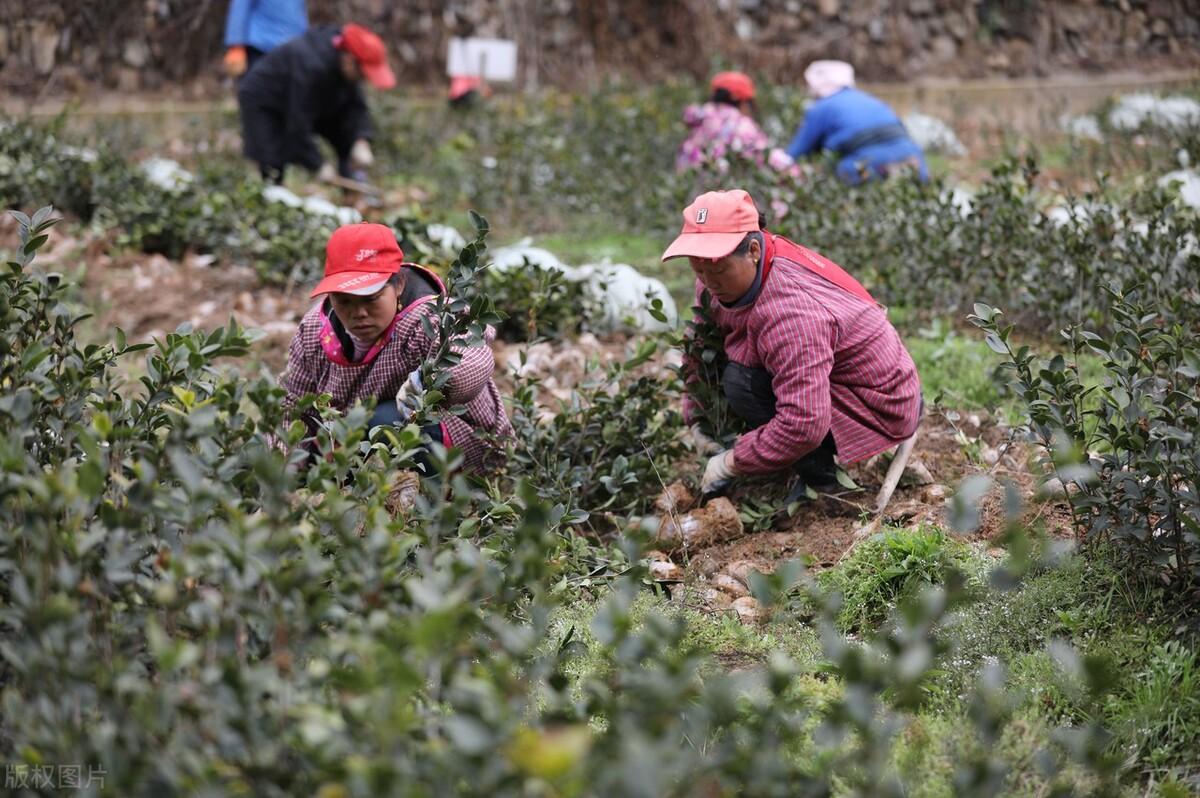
310,85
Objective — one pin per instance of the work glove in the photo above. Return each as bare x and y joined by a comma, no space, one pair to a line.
719,472
406,397
327,173
361,153
235,61
704,444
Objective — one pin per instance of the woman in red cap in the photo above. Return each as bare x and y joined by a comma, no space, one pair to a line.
310,86
724,127
814,367
367,340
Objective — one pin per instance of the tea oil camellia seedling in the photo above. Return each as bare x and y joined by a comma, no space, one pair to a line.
191,602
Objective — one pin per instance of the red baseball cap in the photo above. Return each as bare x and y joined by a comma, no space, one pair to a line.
714,224
359,259
368,49
738,84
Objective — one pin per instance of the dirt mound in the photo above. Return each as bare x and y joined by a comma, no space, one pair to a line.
149,296
823,531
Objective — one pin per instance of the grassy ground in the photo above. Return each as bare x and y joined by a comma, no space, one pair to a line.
1152,705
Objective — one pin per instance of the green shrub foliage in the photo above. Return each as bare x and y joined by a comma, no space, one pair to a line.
537,303
1126,449
1044,258
190,610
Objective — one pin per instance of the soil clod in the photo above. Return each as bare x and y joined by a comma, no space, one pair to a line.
715,522
674,500
749,611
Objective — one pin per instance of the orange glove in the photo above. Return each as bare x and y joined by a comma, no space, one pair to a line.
235,61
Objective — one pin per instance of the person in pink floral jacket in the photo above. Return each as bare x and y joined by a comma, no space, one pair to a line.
724,127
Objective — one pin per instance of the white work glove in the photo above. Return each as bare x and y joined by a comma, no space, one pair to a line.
327,173
406,397
718,473
703,443
361,153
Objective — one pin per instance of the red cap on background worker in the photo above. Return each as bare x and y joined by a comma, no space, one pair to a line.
738,85
370,53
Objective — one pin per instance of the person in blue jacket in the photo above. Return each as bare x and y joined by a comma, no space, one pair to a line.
254,28
863,130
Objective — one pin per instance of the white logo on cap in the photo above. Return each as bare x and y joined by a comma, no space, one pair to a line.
363,254
702,216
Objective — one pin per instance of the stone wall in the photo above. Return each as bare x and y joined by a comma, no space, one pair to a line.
74,45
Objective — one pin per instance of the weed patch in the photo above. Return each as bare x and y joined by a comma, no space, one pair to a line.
889,569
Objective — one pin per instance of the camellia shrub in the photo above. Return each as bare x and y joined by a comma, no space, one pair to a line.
1126,450
187,608
609,163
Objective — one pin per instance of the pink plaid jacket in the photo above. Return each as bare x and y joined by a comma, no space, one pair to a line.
309,371
836,364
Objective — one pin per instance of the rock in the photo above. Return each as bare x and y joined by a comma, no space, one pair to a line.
935,494
741,570
705,564
944,48
989,455
917,473
716,599
675,499
136,54
128,79
956,25
920,7
749,611
829,8
728,584
43,42
665,571
876,29
1053,488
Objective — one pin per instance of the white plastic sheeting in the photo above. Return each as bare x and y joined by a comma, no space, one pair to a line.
1081,127
621,292
317,206
1189,189
166,173
1133,110
445,238
932,134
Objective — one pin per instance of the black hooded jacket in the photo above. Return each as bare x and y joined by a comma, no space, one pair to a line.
296,90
